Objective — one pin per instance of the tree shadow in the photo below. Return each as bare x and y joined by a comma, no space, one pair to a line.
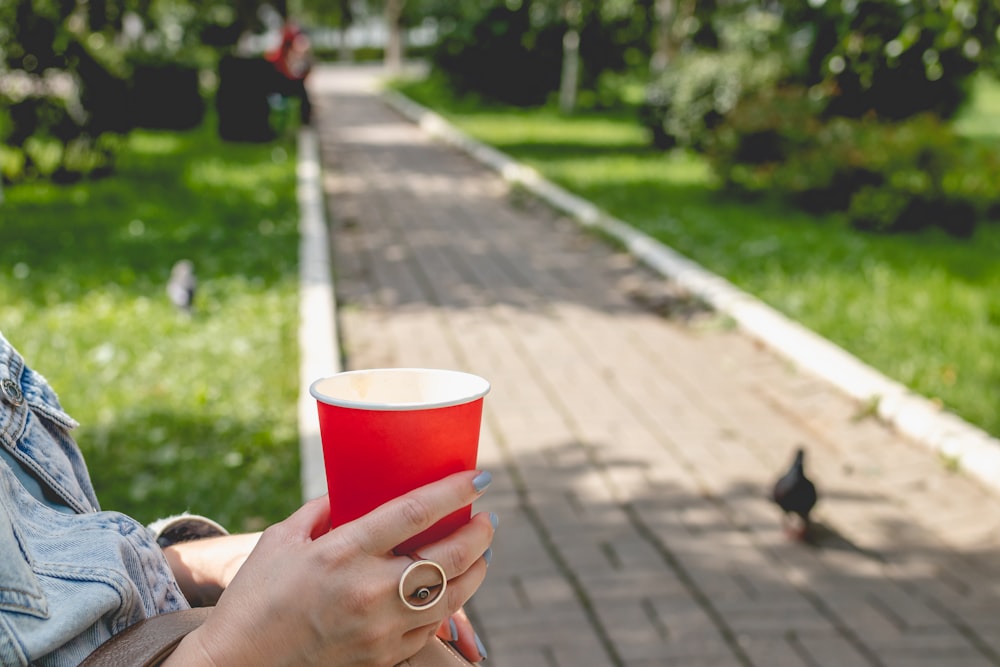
706,576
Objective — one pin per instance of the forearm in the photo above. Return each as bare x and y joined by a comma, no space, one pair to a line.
203,568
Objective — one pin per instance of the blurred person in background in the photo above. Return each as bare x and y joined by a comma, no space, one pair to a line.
292,60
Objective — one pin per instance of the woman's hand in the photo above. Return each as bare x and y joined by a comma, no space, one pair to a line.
204,568
309,596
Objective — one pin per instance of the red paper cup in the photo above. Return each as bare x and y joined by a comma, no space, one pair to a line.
387,431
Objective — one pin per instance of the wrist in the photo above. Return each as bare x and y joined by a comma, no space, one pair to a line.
190,652
204,568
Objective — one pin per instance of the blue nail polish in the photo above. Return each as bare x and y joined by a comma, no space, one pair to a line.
494,520
482,480
488,555
480,647
454,629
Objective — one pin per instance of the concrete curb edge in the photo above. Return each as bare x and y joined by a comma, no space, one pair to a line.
913,415
318,336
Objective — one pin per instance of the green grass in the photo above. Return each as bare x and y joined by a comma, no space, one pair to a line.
922,308
980,118
176,413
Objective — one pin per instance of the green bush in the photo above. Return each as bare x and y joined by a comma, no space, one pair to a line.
886,176
692,96
894,58
43,138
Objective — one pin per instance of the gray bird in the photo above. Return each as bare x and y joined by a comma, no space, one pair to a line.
182,285
796,495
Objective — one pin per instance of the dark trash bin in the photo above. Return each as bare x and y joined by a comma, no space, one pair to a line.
166,96
241,99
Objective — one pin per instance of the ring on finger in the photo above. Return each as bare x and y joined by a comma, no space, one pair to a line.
422,597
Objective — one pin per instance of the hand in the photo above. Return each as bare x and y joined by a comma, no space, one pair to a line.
309,596
204,568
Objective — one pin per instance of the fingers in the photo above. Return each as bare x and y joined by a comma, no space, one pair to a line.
436,616
312,519
397,520
453,567
448,629
465,546
467,641
463,558
457,630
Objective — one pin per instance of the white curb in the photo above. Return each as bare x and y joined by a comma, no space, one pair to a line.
913,415
318,338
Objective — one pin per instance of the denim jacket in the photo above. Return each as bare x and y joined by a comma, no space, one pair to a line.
71,575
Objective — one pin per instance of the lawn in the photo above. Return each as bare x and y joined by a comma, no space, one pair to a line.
922,307
177,413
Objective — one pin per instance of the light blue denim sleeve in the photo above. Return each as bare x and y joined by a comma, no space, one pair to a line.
69,580
20,591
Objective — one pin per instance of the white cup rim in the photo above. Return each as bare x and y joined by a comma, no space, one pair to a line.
477,387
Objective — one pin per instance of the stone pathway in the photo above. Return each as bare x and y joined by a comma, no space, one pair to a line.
632,452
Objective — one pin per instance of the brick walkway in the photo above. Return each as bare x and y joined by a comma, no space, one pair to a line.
632,452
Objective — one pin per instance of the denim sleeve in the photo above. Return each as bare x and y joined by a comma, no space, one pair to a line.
20,592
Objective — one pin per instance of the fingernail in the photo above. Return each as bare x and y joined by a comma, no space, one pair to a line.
488,555
482,480
479,645
454,629
494,520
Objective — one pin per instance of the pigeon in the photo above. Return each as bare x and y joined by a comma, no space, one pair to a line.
181,286
796,495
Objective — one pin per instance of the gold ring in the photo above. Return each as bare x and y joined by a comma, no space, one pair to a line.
422,593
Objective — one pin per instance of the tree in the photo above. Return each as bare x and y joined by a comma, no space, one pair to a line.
894,58
524,52
395,47
570,78
67,68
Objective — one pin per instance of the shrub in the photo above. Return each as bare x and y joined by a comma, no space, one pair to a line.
734,57
692,96
44,138
886,176
895,58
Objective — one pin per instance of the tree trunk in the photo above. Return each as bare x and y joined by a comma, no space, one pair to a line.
664,47
344,51
570,71
570,77
394,43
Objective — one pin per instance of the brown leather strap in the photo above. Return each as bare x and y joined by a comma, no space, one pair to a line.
148,642
437,654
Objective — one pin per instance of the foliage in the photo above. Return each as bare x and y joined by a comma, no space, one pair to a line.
895,58
78,75
692,96
888,176
177,412
801,99
920,307
512,51
48,132
731,58
501,55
